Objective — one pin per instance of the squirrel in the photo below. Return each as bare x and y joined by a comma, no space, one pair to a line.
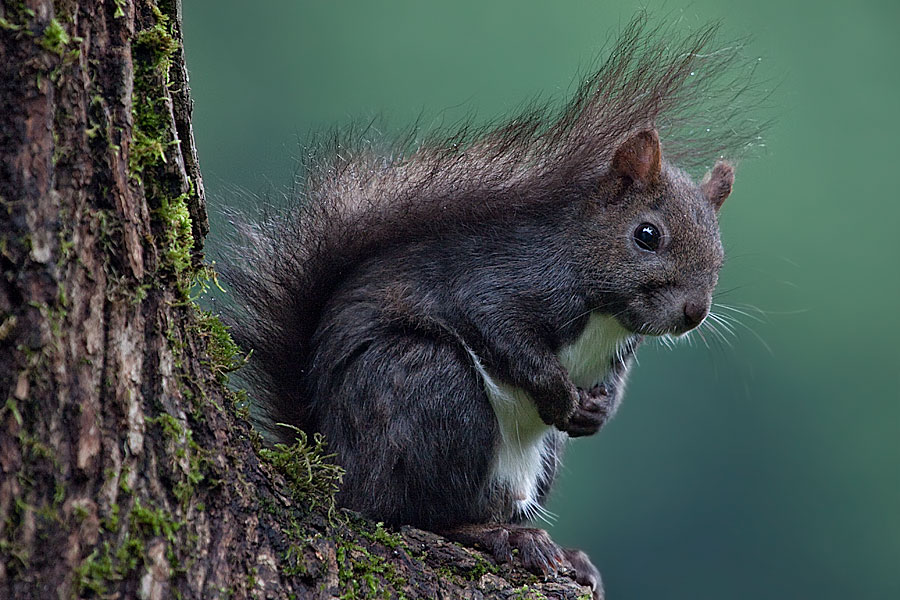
447,316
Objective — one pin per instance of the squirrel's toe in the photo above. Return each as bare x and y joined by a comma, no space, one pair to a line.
585,572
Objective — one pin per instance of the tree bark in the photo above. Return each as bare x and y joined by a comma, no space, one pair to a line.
126,467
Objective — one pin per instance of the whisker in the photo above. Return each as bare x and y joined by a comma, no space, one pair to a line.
711,325
720,293
545,515
734,321
742,312
702,337
719,320
575,318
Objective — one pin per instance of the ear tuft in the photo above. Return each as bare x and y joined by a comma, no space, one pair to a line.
639,157
716,185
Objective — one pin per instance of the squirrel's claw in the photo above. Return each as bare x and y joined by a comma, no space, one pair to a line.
532,547
585,572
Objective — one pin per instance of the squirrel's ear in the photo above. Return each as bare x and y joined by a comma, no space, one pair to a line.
638,158
716,185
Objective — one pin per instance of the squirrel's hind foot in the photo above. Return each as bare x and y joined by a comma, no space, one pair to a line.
585,571
534,548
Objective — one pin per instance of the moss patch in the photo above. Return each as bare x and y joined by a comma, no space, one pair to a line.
224,355
311,475
192,462
107,564
54,39
153,522
365,575
152,51
179,239
380,535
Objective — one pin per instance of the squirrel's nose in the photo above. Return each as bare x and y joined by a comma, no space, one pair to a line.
695,312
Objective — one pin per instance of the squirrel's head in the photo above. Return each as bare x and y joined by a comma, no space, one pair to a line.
656,260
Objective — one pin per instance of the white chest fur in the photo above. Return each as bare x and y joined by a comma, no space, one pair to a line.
518,464
588,358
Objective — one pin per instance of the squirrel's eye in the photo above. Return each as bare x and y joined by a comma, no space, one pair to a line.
647,236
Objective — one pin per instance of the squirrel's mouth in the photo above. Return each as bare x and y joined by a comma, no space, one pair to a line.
667,331
654,331
671,327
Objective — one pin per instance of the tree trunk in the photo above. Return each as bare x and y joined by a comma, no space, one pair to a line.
126,467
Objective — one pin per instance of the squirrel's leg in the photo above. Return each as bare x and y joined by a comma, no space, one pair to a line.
410,423
521,358
534,547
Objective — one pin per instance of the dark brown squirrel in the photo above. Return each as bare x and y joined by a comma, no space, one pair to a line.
449,315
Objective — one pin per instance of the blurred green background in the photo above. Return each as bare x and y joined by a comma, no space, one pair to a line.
767,470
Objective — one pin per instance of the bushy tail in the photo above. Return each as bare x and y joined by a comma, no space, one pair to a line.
356,200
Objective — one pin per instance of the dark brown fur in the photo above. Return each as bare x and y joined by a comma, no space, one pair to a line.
361,303
358,201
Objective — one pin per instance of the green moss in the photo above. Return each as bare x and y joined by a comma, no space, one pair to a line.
12,553
182,445
241,403
179,239
167,7
293,563
362,574
59,493
146,150
251,578
36,449
66,246
94,572
479,569
483,567
311,475
12,407
224,355
54,316
104,565
111,521
123,480
382,536
4,24
153,522
61,297
80,513
140,293
153,145
526,593
172,429
152,51
54,39
157,42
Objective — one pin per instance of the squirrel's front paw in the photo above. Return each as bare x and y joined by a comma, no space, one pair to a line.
556,409
592,411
